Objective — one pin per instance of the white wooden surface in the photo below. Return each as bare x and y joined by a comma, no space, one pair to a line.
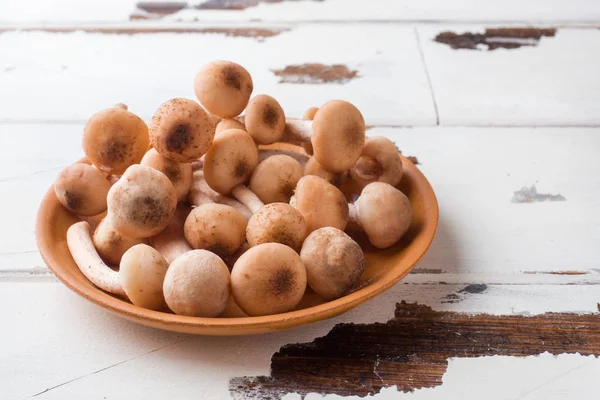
501,121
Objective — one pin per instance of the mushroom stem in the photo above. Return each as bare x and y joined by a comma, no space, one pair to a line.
353,220
199,183
79,241
197,197
171,242
247,198
263,154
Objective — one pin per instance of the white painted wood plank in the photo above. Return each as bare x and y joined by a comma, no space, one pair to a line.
104,356
549,84
69,76
328,10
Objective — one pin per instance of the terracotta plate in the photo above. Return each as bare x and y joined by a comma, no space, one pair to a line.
384,269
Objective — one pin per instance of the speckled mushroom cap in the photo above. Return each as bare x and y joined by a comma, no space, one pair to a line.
277,223
223,88
275,178
181,130
380,161
320,203
82,189
338,135
141,203
264,119
230,161
114,138
180,174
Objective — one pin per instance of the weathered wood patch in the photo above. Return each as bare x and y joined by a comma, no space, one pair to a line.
412,350
495,38
316,73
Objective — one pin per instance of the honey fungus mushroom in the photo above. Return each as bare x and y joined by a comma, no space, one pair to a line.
275,178
337,134
142,273
277,223
180,174
264,119
141,203
312,167
111,245
320,203
197,284
82,189
334,262
171,242
114,138
268,279
226,124
223,88
383,212
181,130
379,162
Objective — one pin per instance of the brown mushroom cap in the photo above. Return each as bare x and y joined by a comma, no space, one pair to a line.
275,178
223,88
338,135
310,113
113,139
142,202
197,284
334,262
82,189
313,167
109,244
181,130
380,161
384,212
268,279
320,203
230,161
142,273
226,124
277,223
180,174
264,119
217,228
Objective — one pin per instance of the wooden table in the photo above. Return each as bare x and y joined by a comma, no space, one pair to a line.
504,123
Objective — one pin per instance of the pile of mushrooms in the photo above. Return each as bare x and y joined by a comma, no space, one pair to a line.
196,216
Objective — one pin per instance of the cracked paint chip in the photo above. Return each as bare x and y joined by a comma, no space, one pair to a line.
412,350
495,38
316,73
531,195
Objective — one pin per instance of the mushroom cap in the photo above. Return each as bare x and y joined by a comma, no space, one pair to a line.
268,279
275,178
223,88
217,228
109,244
312,167
384,212
310,113
181,130
82,189
334,262
338,135
320,203
380,161
226,124
142,273
197,284
114,138
277,223
142,202
230,161
180,174
264,119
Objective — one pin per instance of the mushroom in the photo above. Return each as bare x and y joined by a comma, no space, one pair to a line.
180,174
379,162
313,167
277,223
82,189
79,241
263,154
383,212
310,113
223,88
320,203
197,284
275,178
111,245
181,130
142,272
201,193
217,228
337,134
171,242
226,124
114,138
264,119
141,203
334,262
268,279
